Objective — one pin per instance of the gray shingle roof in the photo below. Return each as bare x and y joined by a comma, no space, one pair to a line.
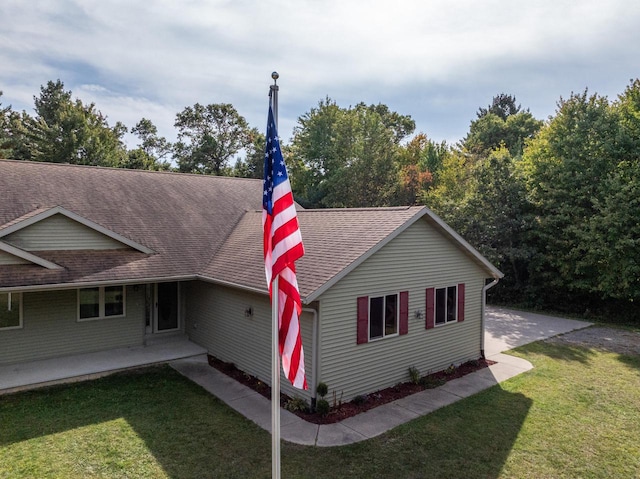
183,218
198,227
334,239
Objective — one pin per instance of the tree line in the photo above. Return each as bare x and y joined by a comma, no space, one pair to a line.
555,204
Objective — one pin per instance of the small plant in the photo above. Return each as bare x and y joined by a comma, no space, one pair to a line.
430,382
414,375
322,407
450,370
297,404
337,402
359,400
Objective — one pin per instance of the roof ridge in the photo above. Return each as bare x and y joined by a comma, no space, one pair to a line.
113,168
369,208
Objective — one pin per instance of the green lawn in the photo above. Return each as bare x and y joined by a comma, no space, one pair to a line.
577,414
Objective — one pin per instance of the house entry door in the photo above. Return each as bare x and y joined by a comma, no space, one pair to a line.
167,317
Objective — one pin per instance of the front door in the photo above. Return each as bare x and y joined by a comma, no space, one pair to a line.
167,317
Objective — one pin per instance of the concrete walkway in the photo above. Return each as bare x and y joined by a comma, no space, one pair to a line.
505,329
369,424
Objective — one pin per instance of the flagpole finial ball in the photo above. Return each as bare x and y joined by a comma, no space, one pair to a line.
275,76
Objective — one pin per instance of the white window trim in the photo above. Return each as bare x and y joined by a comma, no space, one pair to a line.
101,305
435,306
384,335
20,319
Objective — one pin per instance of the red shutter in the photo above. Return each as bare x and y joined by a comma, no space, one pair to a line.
461,302
404,312
430,313
363,319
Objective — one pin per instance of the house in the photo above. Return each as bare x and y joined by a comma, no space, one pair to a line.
100,258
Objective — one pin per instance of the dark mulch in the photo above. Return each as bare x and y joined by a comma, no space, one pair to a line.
343,410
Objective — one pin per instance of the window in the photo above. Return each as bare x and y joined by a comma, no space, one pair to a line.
382,316
445,305
10,310
100,302
446,301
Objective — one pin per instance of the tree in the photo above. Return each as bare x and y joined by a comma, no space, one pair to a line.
252,166
566,167
208,137
151,151
502,105
67,131
419,161
502,123
5,130
347,156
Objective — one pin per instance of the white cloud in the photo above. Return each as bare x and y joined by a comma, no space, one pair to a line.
439,60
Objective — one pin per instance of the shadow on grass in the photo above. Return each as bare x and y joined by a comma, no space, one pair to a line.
631,361
469,439
188,432
556,349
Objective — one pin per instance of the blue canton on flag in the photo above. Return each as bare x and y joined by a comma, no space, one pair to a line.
275,171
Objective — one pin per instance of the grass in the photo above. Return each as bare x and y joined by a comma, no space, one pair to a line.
574,416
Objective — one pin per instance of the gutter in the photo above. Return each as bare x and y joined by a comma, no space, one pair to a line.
485,288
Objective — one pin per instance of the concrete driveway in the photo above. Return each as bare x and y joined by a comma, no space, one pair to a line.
506,328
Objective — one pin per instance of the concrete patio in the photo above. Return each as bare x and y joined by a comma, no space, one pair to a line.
80,367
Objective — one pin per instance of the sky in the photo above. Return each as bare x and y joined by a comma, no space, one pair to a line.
435,60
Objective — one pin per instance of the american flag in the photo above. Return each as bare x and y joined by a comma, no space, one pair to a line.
282,247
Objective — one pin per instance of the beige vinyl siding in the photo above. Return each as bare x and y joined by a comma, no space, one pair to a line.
418,258
50,327
7,259
216,320
61,233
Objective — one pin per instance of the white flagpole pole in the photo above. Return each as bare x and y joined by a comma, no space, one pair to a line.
275,350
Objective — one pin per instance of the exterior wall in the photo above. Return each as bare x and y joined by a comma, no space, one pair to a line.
60,233
215,319
418,258
50,327
6,258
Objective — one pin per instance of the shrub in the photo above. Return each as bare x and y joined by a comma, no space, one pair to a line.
322,407
297,404
322,389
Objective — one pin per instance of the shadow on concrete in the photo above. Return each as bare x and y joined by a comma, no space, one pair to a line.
506,329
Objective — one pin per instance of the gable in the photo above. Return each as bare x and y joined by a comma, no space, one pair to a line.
59,232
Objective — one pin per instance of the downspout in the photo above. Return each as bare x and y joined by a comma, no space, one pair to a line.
314,356
482,311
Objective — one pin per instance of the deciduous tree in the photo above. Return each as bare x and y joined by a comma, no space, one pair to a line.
208,137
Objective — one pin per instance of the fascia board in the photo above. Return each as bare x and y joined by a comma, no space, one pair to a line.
12,250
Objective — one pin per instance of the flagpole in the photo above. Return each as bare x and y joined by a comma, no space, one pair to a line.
275,350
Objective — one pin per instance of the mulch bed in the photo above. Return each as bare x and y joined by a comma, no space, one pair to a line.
343,410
